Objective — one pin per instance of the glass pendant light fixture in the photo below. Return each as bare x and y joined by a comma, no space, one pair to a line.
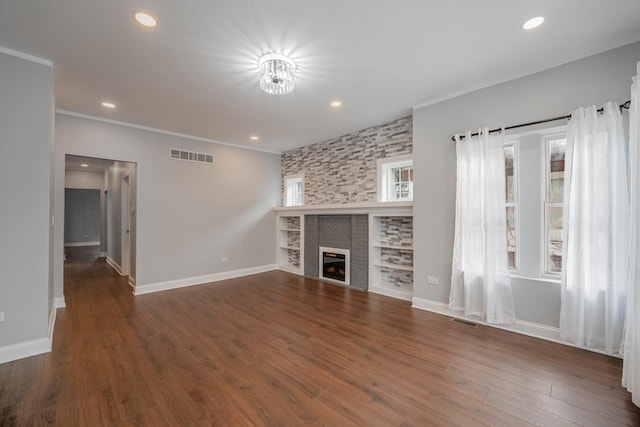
277,74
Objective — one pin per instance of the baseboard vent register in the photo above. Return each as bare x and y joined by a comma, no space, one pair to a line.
190,156
465,322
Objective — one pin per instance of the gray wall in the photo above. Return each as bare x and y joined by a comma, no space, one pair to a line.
83,179
26,129
345,169
593,80
188,215
96,180
81,216
114,175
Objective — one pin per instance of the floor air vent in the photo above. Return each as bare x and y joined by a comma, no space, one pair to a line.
191,156
468,323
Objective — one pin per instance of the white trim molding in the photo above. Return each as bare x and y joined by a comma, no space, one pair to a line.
387,208
132,281
162,131
199,280
390,293
52,323
9,353
71,245
26,56
60,302
114,265
535,330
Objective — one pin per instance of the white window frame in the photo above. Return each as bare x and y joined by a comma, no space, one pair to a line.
532,266
546,205
289,196
516,203
384,177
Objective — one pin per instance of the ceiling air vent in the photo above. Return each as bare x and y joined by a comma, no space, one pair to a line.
190,156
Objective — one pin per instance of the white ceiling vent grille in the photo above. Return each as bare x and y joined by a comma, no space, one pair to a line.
190,156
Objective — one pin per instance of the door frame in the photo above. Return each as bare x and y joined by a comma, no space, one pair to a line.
125,226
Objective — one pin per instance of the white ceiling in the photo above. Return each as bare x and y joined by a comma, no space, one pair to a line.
92,164
196,73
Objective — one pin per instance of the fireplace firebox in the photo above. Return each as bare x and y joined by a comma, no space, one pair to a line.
334,265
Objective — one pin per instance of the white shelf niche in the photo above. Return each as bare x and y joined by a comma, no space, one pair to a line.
391,255
290,243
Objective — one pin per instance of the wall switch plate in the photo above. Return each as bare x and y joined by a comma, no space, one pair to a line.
224,259
433,280
1,316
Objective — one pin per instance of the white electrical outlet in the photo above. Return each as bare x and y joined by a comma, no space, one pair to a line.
1,316
433,280
224,259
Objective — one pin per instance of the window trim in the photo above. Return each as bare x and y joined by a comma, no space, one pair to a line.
383,178
286,189
546,205
535,268
516,203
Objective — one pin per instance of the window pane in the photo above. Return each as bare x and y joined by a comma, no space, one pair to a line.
396,191
293,192
511,236
509,173
556,170
396,180
404,175
554,240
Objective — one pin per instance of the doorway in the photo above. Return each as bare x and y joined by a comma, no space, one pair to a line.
116,183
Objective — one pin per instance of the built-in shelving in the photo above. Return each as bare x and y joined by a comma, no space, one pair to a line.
290,243
391,255
390,242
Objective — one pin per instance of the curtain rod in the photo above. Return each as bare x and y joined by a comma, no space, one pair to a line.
624,106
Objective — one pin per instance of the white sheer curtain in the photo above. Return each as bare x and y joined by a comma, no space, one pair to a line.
596,229
631,345
480,280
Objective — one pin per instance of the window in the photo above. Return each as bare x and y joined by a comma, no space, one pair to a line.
534,184
395,179
294,190
510,168
553,205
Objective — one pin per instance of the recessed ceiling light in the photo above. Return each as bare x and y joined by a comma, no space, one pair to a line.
84,165
108,105
145,19
533,23
254,137
336,104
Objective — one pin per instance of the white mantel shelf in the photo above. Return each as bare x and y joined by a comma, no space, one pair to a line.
387,208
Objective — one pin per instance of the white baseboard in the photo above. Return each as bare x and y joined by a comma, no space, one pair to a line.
114,265
71,245
132,281
52,322
199,280
102,255
9,353
60,302
535,330
391,293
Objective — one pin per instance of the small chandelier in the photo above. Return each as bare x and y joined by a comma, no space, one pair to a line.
276,74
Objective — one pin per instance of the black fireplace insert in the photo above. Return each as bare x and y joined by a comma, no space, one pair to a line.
333,266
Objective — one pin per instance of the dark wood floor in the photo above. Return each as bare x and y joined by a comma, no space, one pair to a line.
276,349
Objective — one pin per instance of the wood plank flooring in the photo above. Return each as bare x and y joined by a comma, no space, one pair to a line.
276,349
